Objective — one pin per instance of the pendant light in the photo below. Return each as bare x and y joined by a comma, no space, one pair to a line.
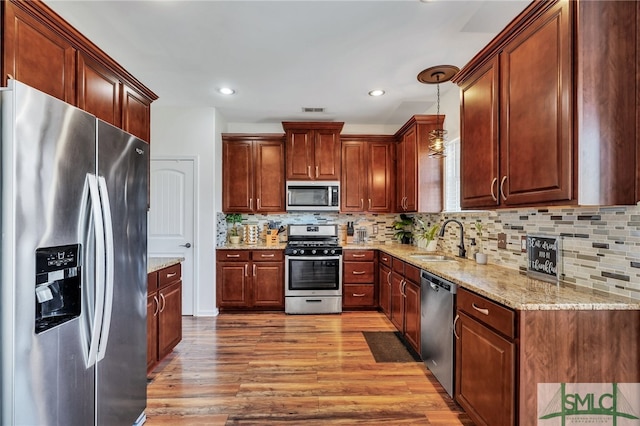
436,75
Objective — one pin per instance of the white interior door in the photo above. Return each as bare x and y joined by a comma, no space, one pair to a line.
171,219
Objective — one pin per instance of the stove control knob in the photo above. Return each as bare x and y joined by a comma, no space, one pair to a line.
333,251
294,251
301,251
313,251
326,252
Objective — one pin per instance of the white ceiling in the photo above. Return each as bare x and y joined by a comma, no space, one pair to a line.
281,56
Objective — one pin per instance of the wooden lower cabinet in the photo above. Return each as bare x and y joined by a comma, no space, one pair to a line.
405,301
250,279
358,278
384,283
164,313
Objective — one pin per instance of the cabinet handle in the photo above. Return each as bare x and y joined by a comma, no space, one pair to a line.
454,326
493,195
164,302
358,272
250,203
361,204
481,310
246,267
317,172
233,255
254,269
155,299
172,275
267,255
258,203
389,277
369,203
309,171
403,283
504,179
357,255
359,294
386,259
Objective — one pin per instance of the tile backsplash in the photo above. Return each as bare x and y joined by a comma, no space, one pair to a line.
600,245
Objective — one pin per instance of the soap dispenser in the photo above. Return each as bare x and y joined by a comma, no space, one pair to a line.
473,249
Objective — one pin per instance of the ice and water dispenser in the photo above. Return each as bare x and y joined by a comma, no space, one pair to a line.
58,291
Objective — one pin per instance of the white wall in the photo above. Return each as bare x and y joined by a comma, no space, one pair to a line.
193,132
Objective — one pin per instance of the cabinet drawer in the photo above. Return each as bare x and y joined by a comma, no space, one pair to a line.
358,272
385,259
233,255
152,282
412,273
358,255
267,255
397,265
358,295
168,275
496,316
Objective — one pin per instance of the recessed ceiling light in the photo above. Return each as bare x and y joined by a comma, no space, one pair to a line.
376,92
226,91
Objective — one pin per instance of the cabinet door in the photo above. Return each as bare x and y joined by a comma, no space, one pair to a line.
354,177
485,374
36,55
384,289
397,301
268,284
300,153
379,177
237,179
479,139
269,176
136,113
169,318
412,314
98,90
536,118
232,284
327,155
407,172
153,308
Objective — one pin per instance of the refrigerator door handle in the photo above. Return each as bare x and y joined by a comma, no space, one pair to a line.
100,266
109,280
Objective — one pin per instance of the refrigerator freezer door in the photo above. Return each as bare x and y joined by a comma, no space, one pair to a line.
121,374
48,148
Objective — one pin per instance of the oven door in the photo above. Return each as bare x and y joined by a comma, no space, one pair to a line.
313,275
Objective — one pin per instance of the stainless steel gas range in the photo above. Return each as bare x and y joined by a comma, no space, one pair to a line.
313,270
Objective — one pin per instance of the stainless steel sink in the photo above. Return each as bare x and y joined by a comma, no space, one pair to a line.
432,257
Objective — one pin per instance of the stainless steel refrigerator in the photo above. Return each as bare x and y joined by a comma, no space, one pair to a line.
73,265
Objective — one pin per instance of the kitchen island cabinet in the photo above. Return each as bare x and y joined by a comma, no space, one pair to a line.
253,173
41,49
313,150
545,116
250,279
367,183
418,176
164,313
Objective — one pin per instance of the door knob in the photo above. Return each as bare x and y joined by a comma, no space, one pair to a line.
188,245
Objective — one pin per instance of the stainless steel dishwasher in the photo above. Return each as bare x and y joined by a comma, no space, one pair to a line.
437,298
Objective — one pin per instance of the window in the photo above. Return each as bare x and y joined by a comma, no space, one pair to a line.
452,176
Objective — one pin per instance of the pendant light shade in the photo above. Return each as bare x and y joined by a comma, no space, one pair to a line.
436,75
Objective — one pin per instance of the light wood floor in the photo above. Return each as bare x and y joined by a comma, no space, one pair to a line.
273,369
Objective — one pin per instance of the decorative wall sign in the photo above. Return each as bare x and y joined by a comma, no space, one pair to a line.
543,254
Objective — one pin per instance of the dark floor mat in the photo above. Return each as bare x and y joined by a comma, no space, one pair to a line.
387,346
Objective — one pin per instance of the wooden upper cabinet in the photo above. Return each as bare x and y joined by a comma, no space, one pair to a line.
35,54
536,144
557,79
419,176
42,50
479,133
367,173
253,173
313,150
99,90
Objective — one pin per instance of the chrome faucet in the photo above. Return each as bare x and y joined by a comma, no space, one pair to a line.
461,251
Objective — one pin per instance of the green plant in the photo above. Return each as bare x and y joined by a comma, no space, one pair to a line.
428,233
233,218
402,226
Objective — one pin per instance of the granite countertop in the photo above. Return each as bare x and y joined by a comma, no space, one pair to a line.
260,246
507,286
157,263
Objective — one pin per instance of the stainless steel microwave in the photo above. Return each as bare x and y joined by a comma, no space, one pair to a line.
318,195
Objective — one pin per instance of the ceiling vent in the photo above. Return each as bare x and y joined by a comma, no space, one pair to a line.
308,109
